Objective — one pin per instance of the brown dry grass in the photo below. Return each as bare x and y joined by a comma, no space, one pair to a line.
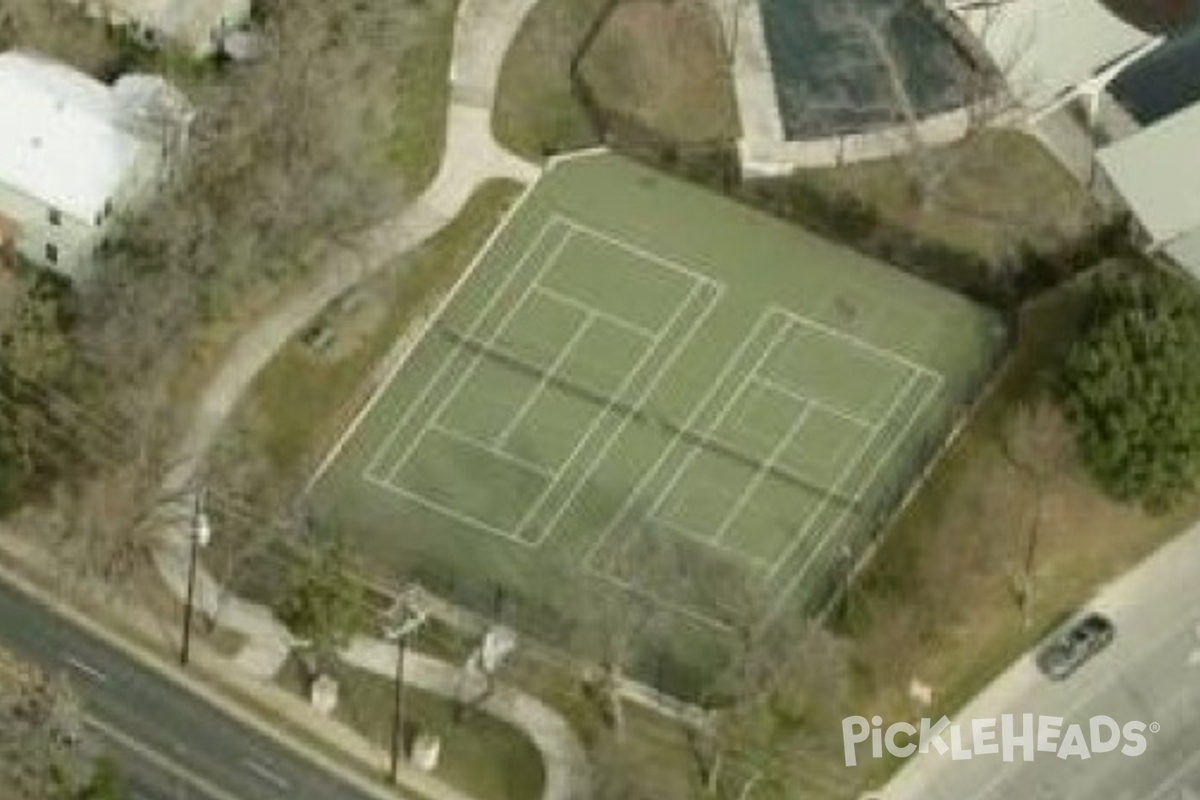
535,111
938,601
998,188
663,65
298,405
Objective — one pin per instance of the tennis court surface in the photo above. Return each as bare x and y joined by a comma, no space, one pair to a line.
646,387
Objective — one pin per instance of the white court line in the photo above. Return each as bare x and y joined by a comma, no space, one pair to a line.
641,252
389,440
700,407
678,349
444,303
867,427
828,409
893,368
536,285
620,322
857,342
761,474
482,446
710,428
540,387
847,470
837,526
477,358
597,418
469,520
673,526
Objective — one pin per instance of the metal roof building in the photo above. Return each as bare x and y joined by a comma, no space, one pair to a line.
1050,48
1157,174
60,142
1165,81
73,151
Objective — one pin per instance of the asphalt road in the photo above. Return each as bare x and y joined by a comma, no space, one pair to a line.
1150,673
171,744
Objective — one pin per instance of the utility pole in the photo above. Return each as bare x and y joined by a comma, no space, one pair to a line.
401,622
200,534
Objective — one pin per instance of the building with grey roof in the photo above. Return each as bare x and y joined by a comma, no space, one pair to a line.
1156,173
74,153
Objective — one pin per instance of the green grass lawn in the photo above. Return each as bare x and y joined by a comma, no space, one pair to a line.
481,756
423,94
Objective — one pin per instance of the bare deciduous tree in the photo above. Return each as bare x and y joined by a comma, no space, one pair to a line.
41,731
59,30
1037,442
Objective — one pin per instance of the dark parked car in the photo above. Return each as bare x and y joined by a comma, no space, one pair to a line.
1067,651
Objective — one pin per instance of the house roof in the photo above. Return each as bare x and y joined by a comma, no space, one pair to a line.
60,139
1047,47
1157,172
1162,82
190,22
1185,251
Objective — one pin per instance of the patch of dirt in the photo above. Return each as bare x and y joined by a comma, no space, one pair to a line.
662,64
352,326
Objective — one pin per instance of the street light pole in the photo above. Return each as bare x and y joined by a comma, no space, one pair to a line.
199,538
403,621
399,708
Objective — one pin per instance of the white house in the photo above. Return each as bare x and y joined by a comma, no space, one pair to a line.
75,152
195,25
1157,173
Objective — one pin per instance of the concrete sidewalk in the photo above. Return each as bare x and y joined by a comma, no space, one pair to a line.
268,644
482,34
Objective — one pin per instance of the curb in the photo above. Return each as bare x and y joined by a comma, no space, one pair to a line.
128,646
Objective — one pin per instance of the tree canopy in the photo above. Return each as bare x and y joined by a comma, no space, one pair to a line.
35,368
1131,386
323,605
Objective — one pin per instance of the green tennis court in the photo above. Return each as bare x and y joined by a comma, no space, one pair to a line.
648,387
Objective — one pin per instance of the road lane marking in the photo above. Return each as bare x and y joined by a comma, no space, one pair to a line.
86,669
161,761
265,773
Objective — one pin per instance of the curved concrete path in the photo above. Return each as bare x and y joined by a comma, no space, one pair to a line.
483,31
